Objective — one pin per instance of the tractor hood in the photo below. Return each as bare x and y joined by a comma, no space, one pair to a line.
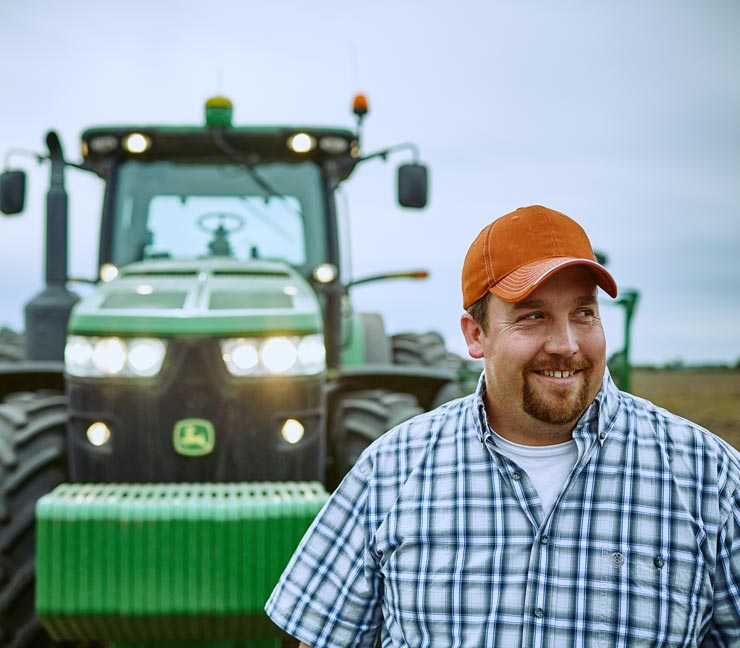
215,296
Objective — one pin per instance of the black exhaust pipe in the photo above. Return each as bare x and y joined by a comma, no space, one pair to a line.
48,312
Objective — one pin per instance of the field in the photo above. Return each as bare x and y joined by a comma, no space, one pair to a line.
710,397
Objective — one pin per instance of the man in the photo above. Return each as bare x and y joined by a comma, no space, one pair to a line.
547,509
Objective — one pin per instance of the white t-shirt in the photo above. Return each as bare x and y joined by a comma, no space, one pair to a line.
546,466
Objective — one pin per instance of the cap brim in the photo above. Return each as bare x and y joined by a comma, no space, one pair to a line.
518,284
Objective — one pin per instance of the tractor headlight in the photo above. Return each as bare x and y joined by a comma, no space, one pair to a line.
281,355
109,356
137,143
312,353
301,143
78,355
101,357
241,356
145,356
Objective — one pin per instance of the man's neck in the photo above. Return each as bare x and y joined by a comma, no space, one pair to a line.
526,430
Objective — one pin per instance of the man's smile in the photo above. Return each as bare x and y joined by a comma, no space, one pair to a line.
558,374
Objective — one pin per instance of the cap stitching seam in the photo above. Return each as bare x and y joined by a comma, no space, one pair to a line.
555,245
601,274
487,258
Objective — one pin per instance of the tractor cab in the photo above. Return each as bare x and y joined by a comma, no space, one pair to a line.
244,192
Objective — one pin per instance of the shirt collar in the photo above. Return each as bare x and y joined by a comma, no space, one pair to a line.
479,402
595,423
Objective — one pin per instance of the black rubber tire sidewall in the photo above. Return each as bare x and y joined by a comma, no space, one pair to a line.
32,463
425,349
364,416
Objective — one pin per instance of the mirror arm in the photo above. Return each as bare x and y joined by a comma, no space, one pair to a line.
39,157
407,146
413,274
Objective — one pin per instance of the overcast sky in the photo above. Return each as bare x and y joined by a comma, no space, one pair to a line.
624,115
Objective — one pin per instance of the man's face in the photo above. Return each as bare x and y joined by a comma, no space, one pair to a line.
544,358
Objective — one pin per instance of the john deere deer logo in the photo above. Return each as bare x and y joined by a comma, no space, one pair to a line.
194,437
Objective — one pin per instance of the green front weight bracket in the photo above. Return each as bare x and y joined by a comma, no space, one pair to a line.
173,565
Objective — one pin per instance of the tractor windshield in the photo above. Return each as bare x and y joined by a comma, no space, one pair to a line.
180,210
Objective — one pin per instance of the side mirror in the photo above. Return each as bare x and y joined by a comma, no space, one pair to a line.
412,185
601,258
12,192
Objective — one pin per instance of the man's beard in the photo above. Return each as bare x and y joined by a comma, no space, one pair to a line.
557,405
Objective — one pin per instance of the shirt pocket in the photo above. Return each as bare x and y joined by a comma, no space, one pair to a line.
436,593
655,595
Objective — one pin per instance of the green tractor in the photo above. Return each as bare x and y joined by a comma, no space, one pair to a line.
165,441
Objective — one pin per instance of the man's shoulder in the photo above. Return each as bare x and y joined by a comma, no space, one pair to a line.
648,413
419,429
679,435
430,432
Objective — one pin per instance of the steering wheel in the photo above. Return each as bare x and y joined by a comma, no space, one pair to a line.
226,223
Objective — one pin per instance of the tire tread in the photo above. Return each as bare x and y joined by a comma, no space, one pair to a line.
32,463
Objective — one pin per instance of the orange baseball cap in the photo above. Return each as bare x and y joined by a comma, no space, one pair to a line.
517,252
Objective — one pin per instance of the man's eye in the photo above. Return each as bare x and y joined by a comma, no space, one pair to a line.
586,312
532,316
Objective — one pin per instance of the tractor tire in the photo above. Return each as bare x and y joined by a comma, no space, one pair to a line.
429,350
11,346
10,353
448,392
364,416
32,462
426,349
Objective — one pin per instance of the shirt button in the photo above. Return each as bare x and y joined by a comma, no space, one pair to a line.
602,436
517,476
658,562
539,613
544,539
617,559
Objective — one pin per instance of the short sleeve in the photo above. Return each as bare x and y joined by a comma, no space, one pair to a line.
329,594
725,625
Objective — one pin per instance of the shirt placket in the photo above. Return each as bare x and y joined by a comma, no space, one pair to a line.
534,614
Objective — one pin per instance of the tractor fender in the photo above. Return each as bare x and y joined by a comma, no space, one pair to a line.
424,383
31,376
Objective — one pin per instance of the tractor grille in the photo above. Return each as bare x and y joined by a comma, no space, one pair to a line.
246,415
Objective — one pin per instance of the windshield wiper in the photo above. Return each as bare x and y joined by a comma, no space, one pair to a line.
256,176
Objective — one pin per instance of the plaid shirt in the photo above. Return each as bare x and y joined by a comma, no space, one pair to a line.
436,539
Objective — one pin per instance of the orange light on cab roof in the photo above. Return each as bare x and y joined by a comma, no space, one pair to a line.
360,105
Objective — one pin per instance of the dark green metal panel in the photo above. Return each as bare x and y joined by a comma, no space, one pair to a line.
166,562
619,363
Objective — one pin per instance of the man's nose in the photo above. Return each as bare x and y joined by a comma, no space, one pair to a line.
561,339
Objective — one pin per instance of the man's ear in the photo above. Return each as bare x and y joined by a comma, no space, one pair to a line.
472,332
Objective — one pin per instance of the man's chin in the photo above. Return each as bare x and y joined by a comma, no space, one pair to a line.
556,405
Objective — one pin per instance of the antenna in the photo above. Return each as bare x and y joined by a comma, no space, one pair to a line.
353,67
220,80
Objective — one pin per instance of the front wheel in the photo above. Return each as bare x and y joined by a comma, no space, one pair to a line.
429,350
11,346
32,462
425,349
364,416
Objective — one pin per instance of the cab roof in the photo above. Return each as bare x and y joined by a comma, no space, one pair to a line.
188,142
